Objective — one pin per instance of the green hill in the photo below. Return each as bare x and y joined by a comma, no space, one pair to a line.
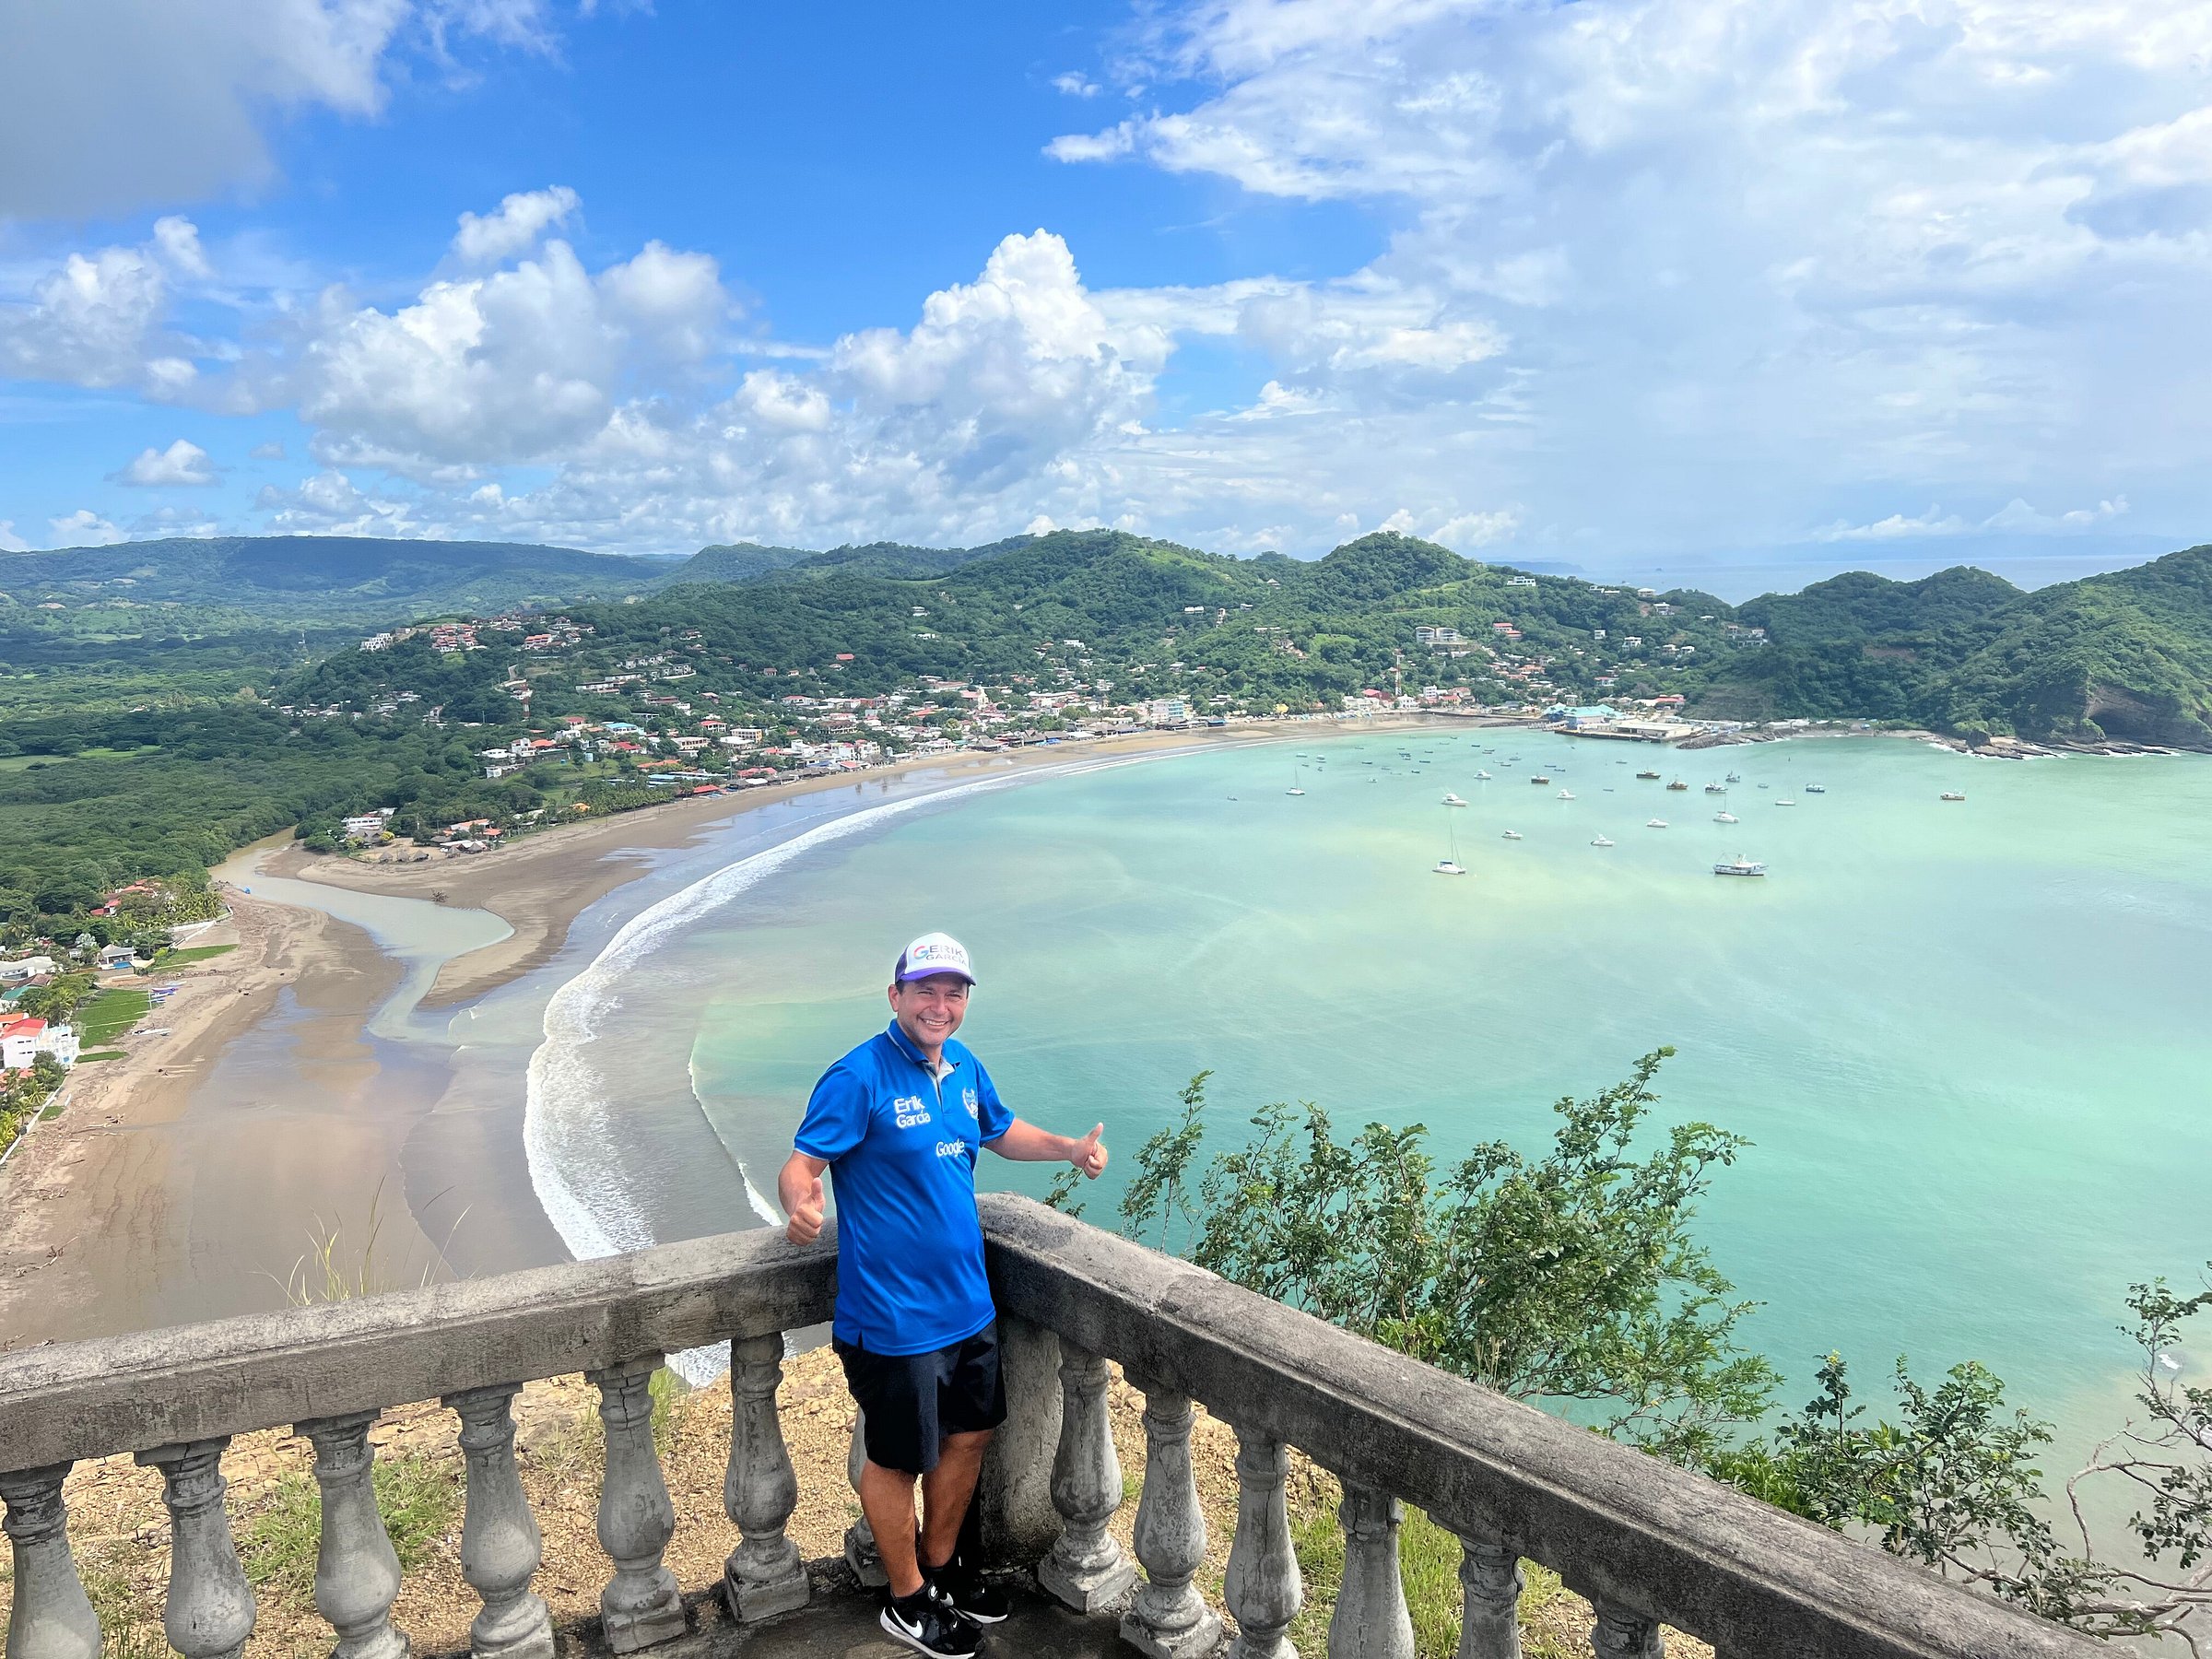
292,577
2125,655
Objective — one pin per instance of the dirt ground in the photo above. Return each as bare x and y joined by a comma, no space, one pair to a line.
120,1532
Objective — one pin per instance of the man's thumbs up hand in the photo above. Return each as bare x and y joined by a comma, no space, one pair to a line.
1090,1155
806,1223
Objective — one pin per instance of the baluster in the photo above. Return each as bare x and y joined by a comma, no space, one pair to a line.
1489,1580
357,1570
763,1576
1085,1569
1619,1634
1263,1590
499,1542
861,1554
1370,1620
639,1605
50,1618
1170,1619
210,1609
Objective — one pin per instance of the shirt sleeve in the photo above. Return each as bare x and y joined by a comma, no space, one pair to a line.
837,1116
991,1118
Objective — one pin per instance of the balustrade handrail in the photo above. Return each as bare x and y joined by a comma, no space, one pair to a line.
1617,1525
106,1395
1643,1539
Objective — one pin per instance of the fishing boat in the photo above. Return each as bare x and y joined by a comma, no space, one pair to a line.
1600,840
1954,795
1513,835
1483,776
1647,773
1678,785
1449,864
1540,778
1566,794
1654,823
1452,800
1716,788
1815,789
1726,817
1739,865
1735,777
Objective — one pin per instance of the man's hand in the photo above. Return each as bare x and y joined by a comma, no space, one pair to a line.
1090,1155
799,1190
805,1224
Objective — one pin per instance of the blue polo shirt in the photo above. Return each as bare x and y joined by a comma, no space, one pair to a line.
902,1143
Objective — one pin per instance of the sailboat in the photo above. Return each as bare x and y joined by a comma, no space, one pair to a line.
1484,776
1452,800
1296,774
1726,817
1450,866
1566,794
1600,842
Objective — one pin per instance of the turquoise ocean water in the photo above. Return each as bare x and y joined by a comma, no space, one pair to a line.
1969,1041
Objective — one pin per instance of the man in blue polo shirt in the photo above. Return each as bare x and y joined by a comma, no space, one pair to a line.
896,1122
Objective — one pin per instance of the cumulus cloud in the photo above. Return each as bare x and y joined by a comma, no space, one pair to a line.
1075,85
183,463
107,105
94,322
1897,527
514,227
9,541
83,528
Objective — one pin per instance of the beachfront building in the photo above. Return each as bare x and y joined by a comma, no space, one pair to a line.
24,1039
24,968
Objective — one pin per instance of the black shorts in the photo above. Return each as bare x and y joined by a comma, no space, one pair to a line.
913,1401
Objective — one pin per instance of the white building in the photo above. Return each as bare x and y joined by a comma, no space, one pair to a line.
23,1041
29,967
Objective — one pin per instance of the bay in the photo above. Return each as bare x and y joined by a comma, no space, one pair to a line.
1967,1039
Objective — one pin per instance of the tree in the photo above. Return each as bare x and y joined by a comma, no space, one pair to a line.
1569,1278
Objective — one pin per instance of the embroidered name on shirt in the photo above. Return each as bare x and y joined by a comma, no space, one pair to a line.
911,1114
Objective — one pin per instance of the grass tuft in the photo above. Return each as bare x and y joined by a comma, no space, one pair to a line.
418,1499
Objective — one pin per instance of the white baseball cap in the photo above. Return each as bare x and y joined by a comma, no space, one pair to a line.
933,953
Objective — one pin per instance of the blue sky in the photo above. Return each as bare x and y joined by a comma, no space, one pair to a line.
1624,285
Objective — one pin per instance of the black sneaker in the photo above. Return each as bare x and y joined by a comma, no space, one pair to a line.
929,1623
971,1594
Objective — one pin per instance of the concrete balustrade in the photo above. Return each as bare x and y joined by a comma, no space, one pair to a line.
357,1570
640,1604
1649,1543
52,1617
1169,1618
763,1576
500,1540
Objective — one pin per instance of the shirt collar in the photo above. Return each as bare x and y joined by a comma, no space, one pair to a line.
945,1065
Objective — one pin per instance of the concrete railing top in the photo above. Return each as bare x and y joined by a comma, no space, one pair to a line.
1622,1527
230,1376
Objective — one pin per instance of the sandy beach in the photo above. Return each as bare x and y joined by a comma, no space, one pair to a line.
183,1182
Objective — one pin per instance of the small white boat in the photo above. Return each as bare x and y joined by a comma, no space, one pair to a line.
1739,865
1513,835
1600,842
1735,777
1483,775
1815,789
1294,792
1444,866
1786,801
1654,823
1726,817
1452,800
1716,788
1566,794
1954,795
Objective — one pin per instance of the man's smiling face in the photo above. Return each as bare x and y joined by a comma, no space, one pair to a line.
930,1010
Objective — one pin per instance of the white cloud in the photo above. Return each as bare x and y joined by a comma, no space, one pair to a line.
83,528
271,451
94,320
514,228
9,541
107,105
1897,527
2017,515
178,241
1075,85
1476,529
183,463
